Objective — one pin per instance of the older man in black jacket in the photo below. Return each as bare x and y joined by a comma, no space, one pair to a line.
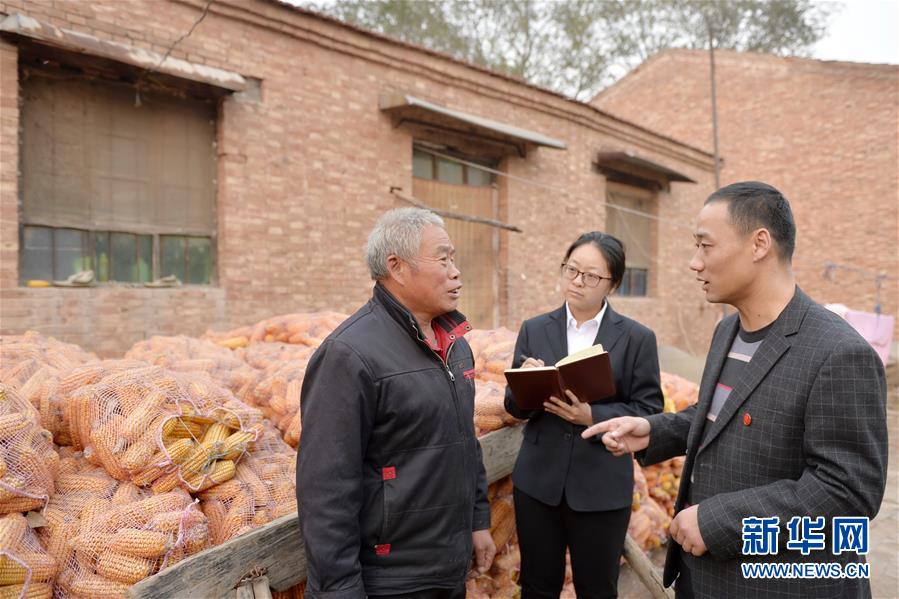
390,483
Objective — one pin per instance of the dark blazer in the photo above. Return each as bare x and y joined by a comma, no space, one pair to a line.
802,434
554,458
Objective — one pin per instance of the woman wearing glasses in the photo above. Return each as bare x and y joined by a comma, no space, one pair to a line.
570,492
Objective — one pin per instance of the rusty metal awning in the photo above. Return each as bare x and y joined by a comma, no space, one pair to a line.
629,164
415,110
23,26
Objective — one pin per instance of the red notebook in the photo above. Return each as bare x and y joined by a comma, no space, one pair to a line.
587,374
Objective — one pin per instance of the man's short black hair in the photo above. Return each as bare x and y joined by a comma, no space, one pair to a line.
610,248
753,205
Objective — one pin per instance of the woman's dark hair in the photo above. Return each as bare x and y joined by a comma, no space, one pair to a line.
610,248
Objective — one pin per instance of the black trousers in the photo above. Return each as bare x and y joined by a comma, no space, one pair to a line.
457,593
595,540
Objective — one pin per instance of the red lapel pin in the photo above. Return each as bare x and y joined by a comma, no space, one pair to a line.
747,419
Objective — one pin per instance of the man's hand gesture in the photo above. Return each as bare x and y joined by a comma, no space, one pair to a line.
625,434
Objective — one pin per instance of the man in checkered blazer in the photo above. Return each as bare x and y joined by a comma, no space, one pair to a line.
791,418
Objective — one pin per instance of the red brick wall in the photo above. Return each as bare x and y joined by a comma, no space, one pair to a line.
305,171
824,133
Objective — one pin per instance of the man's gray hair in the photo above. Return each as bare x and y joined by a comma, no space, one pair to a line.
397,232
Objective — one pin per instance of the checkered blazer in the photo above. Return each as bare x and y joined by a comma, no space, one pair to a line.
802,433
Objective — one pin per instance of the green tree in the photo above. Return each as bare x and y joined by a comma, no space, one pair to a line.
578,46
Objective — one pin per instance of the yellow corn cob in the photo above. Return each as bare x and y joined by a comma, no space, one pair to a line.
261,517
2,466
215,512
166,482
93,515
96,485
228,418
197,539
35,590
221,471
198,390
147,476
197,461
136,542
136,423
34,383
226,491
260,492
138,455
292,396
236,444
98,587
240,512
282,509
179,428
180,450
58,546
12,528
22,504
216,433
127,492
10,424
12,571
167,522
43,567
123,568
142,512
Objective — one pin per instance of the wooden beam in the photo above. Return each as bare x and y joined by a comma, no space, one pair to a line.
454,215
277,548
645,571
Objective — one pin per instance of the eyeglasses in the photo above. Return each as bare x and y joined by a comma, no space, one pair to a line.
590,279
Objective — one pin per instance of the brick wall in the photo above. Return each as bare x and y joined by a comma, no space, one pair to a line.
305,170
824,133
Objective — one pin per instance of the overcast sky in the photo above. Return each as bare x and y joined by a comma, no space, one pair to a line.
862,31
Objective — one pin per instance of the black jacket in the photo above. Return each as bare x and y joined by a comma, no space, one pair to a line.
554,458
390,481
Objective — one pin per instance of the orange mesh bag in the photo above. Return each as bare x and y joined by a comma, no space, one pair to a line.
679,392
663,481
308,329
489,408
263,489
33,365
156,427
278,396
492,350
641,489
28,461
188,354
26,569
121,537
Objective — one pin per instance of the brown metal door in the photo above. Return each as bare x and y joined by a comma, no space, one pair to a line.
477,245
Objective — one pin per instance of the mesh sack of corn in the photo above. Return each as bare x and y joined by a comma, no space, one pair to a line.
26,569
189,354
489,409
308,328
108,534
28,461
161,428
278,396
492,350
263,489
34,365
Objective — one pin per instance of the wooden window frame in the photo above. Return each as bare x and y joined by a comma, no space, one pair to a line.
81,66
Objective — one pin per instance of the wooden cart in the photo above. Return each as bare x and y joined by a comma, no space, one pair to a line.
273,556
